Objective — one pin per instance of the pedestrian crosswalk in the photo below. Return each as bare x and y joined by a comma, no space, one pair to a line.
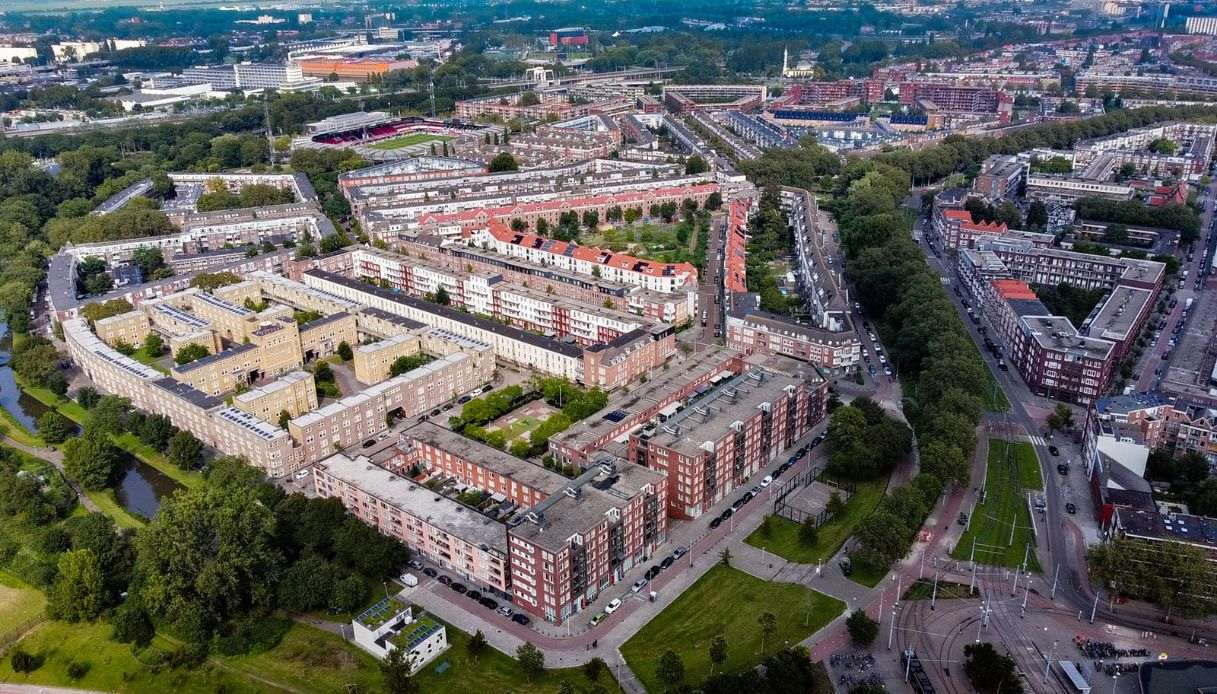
1037,441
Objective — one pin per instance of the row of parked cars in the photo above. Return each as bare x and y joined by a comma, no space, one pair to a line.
615,604
458,587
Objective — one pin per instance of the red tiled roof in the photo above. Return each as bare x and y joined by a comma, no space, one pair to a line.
1013,289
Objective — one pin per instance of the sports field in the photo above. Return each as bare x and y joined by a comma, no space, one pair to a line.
1013,470
408,141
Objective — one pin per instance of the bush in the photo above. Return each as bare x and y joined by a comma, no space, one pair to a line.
77,669
131,624
862,629
24,662
256,633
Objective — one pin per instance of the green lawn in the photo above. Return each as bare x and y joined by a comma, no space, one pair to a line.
1011,469
783,539
408,141
866,575
127,441
10,427
310,660
19,602
114,667
493,671
994,396
141,355
727,601
647,240
107,502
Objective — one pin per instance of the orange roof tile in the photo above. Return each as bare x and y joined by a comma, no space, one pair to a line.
1013,289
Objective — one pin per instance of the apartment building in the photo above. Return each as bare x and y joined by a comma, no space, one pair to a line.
128,328
573,546
957,98
673,309
1159,422
667,391
711,446
490,294
686,98
1068,189
753,331
549,145
617,267
295,393
548,107
358,69
1033,261
1001,177
443,530
954,227
817,94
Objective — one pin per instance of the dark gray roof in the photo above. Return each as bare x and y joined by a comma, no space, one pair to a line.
186,392
391,317
211,358
507,331
1029,307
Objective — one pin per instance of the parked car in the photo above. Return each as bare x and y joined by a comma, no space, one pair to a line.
506,611
415,564
640,584
652,572
613,606
489,603
473,595
430,572
458,587
715,522
680,552
1070,508
768,480
1054,450
668,561
302,474
409,580
463,399
520,618
444,580
596,619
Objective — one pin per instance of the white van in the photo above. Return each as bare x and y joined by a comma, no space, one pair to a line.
409,580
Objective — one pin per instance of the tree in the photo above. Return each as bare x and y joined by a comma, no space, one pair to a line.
441,296
54,427
862,629
154,346
836,505
724,557
990,671
503,161
671,669
718,651
1037,215
395,671
769,624
477,644
531,660
78,594
344,351
185,450
695,165
208,555
91,459
284,418
156,430
593,668
131,624
191,352
809,532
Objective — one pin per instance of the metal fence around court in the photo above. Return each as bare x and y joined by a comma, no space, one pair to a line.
781,498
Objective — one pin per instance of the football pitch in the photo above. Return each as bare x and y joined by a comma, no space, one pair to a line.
408,141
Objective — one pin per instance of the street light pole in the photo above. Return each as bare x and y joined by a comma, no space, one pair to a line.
1054,580
1094,607
934,594
891,632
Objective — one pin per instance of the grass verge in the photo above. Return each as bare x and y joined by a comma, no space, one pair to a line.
727,601
492,671
923,589
10,427
1004,509
783,538
19,602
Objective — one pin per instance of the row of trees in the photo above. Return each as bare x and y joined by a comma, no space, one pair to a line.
1181,218
865,442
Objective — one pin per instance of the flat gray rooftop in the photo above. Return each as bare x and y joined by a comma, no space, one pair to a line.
489,457
446,514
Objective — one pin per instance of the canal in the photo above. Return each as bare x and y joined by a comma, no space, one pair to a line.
141,487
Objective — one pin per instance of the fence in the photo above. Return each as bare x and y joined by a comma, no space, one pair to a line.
11,636
799,482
